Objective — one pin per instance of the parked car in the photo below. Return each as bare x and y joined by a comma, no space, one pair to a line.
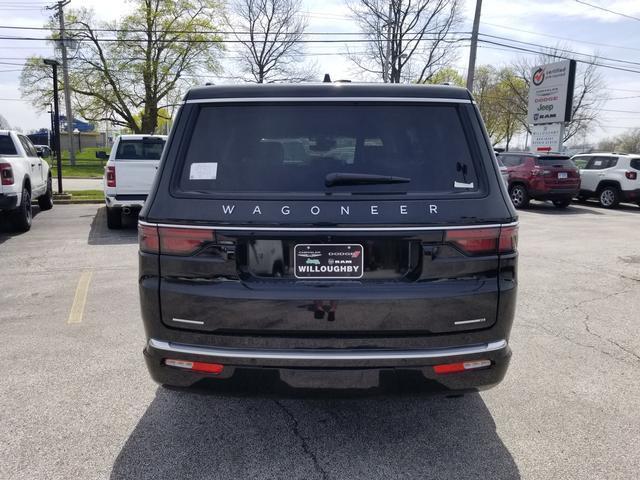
129,173
610,177
504,171
541,177
44,151
23,176
397,241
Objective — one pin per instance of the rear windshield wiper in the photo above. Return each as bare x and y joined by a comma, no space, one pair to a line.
335,179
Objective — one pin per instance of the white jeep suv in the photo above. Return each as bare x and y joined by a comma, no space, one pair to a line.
611,177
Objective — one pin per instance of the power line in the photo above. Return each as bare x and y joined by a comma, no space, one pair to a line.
546,35
539,52
556,49
613,12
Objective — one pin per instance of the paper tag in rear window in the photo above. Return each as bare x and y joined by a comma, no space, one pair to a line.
328,261
203,171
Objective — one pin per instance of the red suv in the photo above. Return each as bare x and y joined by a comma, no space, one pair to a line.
541,177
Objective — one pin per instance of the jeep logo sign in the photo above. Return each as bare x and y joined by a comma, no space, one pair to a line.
551,92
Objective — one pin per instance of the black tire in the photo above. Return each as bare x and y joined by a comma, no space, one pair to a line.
45,202
609,197
561,203
519,196
22,216
114,218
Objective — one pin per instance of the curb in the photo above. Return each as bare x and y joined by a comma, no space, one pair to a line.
78,202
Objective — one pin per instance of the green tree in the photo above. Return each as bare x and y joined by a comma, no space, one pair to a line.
627,142
447,75
494,92
140,63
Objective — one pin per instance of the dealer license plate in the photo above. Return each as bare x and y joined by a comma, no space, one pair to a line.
328,261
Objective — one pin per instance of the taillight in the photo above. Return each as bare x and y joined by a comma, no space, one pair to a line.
508,242
183,241
6,174
484,241
173,241
148,239
111,176
631,175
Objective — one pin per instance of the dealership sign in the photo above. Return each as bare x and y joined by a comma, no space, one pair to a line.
551,92
547,138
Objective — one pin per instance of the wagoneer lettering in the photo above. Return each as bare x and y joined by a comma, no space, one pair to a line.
334,237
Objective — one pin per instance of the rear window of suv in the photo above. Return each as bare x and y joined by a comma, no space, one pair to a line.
635,163
564,162
289,148
142,149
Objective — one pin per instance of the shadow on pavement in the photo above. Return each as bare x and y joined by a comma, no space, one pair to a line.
189,435
7,231
547,208
100,234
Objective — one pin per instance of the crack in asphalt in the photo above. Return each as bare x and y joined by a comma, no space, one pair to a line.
303,441
585,321
553,333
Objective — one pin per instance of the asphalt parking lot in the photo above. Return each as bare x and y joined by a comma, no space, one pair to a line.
76,400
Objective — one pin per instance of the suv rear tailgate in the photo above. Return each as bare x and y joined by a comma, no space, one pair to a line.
417,284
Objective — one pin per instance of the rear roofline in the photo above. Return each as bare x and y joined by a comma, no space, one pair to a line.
328,90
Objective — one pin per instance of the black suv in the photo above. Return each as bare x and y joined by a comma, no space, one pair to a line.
329,234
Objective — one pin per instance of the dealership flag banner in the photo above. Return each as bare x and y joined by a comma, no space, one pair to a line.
551,92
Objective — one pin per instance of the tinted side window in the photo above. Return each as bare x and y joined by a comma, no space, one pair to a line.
612,162
6,146
146,149
29,149
635,163
598,163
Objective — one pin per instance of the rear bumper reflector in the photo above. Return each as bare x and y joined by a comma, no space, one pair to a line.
201,367
461,366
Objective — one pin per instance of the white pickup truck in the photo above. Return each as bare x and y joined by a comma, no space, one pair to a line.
129,173
23,176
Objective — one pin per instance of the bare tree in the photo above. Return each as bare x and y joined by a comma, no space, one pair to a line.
588,97
269,32
409,39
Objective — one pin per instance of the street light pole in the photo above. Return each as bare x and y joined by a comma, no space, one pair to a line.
56,124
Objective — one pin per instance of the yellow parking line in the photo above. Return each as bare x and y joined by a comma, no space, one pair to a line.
79,301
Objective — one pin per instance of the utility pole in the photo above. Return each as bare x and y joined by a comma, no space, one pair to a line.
59,6
474,46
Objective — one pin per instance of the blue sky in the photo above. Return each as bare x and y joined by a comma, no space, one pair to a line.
546,22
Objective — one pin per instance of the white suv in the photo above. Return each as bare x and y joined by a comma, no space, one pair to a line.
611,177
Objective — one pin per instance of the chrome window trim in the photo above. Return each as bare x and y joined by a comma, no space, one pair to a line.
306,354
327,229
327,99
